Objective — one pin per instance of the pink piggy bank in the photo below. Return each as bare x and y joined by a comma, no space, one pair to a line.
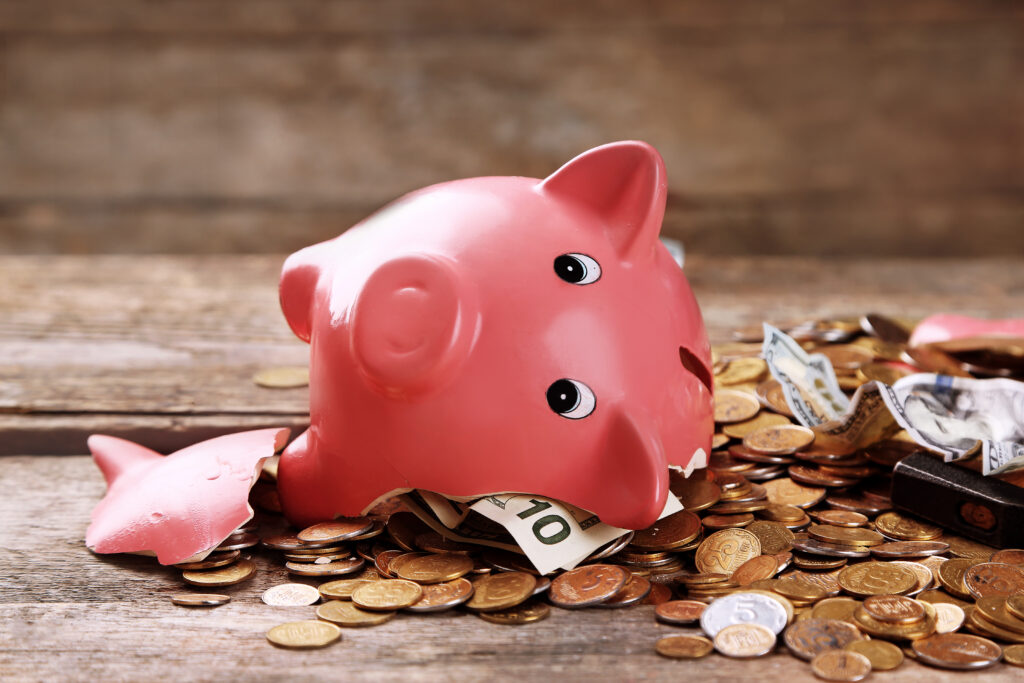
502,334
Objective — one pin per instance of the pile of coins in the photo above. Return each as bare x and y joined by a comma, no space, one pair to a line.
781,543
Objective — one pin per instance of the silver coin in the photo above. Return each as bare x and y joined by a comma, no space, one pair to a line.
744,608
291,595
816,547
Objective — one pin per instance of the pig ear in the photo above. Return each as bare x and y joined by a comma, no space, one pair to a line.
299,279
412,324
625,183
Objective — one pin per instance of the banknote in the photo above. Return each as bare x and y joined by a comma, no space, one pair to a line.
808,381
867,421
552,533
951,415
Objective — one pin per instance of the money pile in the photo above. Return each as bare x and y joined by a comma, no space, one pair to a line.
786,540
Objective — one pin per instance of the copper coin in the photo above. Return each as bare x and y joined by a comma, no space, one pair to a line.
1015,605
776,512
900,527
385,596
679,612
715,522
659,595
957,651
787,492
813,476
756,569
695,494
842,535
895,609
993,579
288,543
441,596
1008,556
738,507
588,585
238,542
403,527
857,503
816,547
900,549
843,518
432,568
526,613
841,665
335,530
433,542
383,561
668,533
809,637
741,452
635,590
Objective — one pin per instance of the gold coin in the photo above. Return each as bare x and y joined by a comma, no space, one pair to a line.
957,651
304,635
1014,655
966,548
951,576
342,588
724,551
200,599
895,525
799,591
739,430
335,568
434,568
876,578
950,617
778,512
771,395
735,406
744,640
894,609
774,537
391,594
1015,605
684,647
884,656
587,585
441,596
841,609
718,440
668,533
844,518
291,595
741,371
344,613
840,535
778,439
212,561
526,613
891,631
224,576
841,665
785,491
282,378
336,530
809,637
503,590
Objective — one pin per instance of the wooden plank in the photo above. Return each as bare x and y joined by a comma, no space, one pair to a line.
68,614
162,348
811,127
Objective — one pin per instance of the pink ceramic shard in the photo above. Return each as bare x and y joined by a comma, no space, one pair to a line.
947,327
502,334
179,506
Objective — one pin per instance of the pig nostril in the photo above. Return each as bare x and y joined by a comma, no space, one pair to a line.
695,366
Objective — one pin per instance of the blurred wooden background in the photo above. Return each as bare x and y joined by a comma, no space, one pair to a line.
812,127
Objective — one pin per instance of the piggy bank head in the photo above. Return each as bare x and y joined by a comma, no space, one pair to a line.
502,334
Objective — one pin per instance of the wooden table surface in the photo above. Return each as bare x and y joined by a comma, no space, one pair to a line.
162,349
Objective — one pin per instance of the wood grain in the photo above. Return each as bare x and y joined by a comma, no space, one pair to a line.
71,615
162,349
804,127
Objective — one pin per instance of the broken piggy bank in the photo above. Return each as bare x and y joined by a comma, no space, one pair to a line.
502,334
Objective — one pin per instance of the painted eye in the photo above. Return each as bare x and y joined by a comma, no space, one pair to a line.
577,269
571,399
